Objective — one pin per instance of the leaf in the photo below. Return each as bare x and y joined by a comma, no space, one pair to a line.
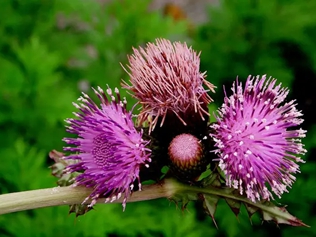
58,169
66,179
79,209
213,191
279,215
251,210
210,204
234,205
268,210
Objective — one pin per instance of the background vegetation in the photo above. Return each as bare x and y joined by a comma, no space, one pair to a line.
52,50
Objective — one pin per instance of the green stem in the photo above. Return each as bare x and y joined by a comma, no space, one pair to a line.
57,196
168,188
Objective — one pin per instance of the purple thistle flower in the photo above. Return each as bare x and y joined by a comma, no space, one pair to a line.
165,78
109,150
255,145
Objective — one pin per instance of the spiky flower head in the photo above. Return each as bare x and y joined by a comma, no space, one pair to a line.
109,150
165,78
186,156
257,139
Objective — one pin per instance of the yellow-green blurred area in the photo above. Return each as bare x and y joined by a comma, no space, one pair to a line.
51,50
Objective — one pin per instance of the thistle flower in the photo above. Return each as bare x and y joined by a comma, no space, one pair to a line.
165,78
256,138
186,156
109,150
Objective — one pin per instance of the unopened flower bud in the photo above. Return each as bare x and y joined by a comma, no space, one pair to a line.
186,156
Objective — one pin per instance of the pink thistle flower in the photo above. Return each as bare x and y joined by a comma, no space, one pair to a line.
186,156
108,151
255,144
165,78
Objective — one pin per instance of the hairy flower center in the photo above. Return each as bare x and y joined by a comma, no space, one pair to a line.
184,147
102,150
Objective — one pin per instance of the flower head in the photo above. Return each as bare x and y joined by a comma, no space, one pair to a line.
109,150
256,138
165,78
186,156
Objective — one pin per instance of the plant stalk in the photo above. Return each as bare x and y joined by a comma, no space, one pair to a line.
168,188
57,196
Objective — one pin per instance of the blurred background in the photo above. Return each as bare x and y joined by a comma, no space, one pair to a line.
51,50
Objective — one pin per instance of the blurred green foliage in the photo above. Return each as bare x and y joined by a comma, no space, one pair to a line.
52,50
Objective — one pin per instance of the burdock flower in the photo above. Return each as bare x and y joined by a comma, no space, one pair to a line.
165,78
257,140
108,151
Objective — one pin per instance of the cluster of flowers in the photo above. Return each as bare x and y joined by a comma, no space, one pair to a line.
255,142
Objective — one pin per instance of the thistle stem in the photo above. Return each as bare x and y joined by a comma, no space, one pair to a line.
57,196
168,188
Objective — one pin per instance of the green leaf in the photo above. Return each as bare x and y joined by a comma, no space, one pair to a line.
234,205
279,215
210,204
